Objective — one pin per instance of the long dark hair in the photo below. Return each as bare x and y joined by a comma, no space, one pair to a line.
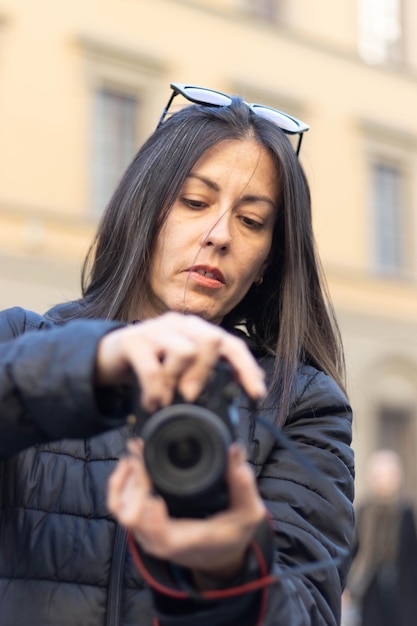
289,315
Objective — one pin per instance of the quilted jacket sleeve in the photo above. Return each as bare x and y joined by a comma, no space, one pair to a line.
310,503
46,380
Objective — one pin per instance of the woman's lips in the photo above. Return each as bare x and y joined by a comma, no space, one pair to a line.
207,276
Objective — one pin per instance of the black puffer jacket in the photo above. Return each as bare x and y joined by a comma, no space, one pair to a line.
63,559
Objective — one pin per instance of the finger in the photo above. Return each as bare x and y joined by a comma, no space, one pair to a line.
148,371
195,377
180,359
115,485
206,340
215,343
159,366
243,491
135,446
133,500
138,469
129,491
247,371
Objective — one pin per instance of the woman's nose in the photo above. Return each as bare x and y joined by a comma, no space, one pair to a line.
219,234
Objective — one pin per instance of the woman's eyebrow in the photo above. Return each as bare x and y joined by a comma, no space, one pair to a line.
255,198
207,181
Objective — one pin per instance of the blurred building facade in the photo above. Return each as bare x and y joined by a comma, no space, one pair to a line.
83,82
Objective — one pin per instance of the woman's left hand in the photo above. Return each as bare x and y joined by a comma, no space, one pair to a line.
215,546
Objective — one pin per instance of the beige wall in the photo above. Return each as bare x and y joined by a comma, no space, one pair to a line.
53,54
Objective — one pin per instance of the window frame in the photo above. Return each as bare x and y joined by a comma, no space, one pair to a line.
107,166
109,66
392,148
389,218
379,48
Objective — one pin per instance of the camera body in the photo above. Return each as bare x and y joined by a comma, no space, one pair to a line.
186,447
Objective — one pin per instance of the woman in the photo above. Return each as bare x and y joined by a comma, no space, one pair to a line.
212,220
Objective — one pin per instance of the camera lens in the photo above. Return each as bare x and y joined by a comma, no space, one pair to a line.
187,445
185,449
185,452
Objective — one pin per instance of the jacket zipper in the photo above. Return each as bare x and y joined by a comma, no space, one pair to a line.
116,576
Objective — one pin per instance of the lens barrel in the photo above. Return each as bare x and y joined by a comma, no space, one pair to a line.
185,452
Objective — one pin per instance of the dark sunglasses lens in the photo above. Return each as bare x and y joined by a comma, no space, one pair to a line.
206,96
280,119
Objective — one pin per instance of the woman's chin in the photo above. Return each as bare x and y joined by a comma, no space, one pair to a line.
210,314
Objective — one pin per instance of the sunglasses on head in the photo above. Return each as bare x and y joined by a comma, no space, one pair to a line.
209,97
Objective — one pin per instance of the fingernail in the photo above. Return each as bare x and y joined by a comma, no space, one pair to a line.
239,451
190,391
242,451
261,390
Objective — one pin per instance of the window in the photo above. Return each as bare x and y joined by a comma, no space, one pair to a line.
264,9
114,142
388,223
380,31
390,162
124,89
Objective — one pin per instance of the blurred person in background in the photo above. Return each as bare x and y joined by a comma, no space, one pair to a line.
205,252
381,588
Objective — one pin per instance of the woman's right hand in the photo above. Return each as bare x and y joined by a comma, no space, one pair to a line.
215,546
174,352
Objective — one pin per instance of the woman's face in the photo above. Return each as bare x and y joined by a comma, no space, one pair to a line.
217,237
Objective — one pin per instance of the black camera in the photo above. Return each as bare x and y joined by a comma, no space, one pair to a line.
186,447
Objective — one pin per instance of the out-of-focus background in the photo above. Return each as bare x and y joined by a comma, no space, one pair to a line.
83,82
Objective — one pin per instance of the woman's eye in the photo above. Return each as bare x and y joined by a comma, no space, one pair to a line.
251,223
194,204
